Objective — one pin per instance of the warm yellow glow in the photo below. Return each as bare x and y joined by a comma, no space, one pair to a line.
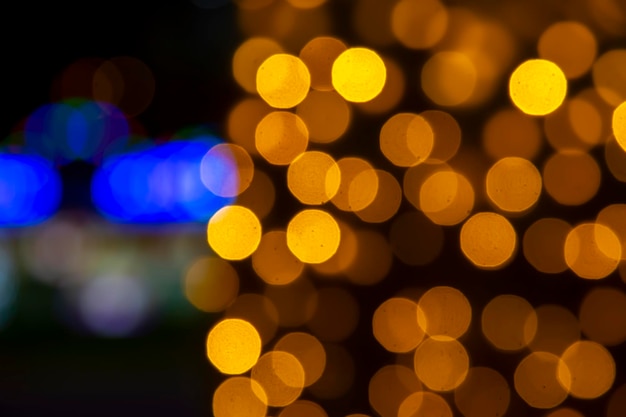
446,198
424,404
309,352
303,408
587,369
609,78
259,311
392,92
513,184
615,158
386,202
565,412
488,240
242,121
617,402
603,316
274,262
389,387
414,178
510,132
283,81
306,4
619,124
483,393
395,325
571,177
448,78
509,322
537,383
537,87
570,45
313,177
234,232
318,55
373,258
281,376
592,250
444,311
326,114
280,137
249,56
240,174
415,240
406,139
313,236
335,315
338,376
543,245
441,363
358,74
239,396
260,195
233,346
211,284
345,255
557,328
358,186
447,135
613,216
419,24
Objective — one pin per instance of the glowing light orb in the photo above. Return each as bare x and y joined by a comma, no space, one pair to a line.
358,74
234,232
537,87
233,346
283,81
313,236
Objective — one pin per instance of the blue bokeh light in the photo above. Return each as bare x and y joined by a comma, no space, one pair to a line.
158,184
30,190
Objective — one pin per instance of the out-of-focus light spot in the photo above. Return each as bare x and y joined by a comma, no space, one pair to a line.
235,162
338,376
313,236
159,184
371,22
615,158
571,177
395,325
614,217
392,92
609,76
513,184
76,80
592,250
577,124
30,190
234,232
446,198
211,284
488,240
587,369
419,24
283,81
510,132
509,322
537,87
537,383
295,302
313,177
233,346
441,363
345,255
280,137
303,408
387,201
444,312
603,315
565,412
414,239
484,393
260,195
309,352
373,259
570,45
619,124
326,114
335,314
617,403
543,245
424,404
358,74
406,139
239,396
243,119
125,82
414,178
274,262
306,4
281,376
114,306
248,58
447,135
389,387
358,186
257,310
557,328
448,78
318,55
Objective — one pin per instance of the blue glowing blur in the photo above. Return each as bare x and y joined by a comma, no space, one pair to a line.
30,190
160,184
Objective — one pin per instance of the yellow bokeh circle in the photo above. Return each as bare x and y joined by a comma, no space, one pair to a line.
283,81
313,236
358,74
233,346
234,232
537,87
